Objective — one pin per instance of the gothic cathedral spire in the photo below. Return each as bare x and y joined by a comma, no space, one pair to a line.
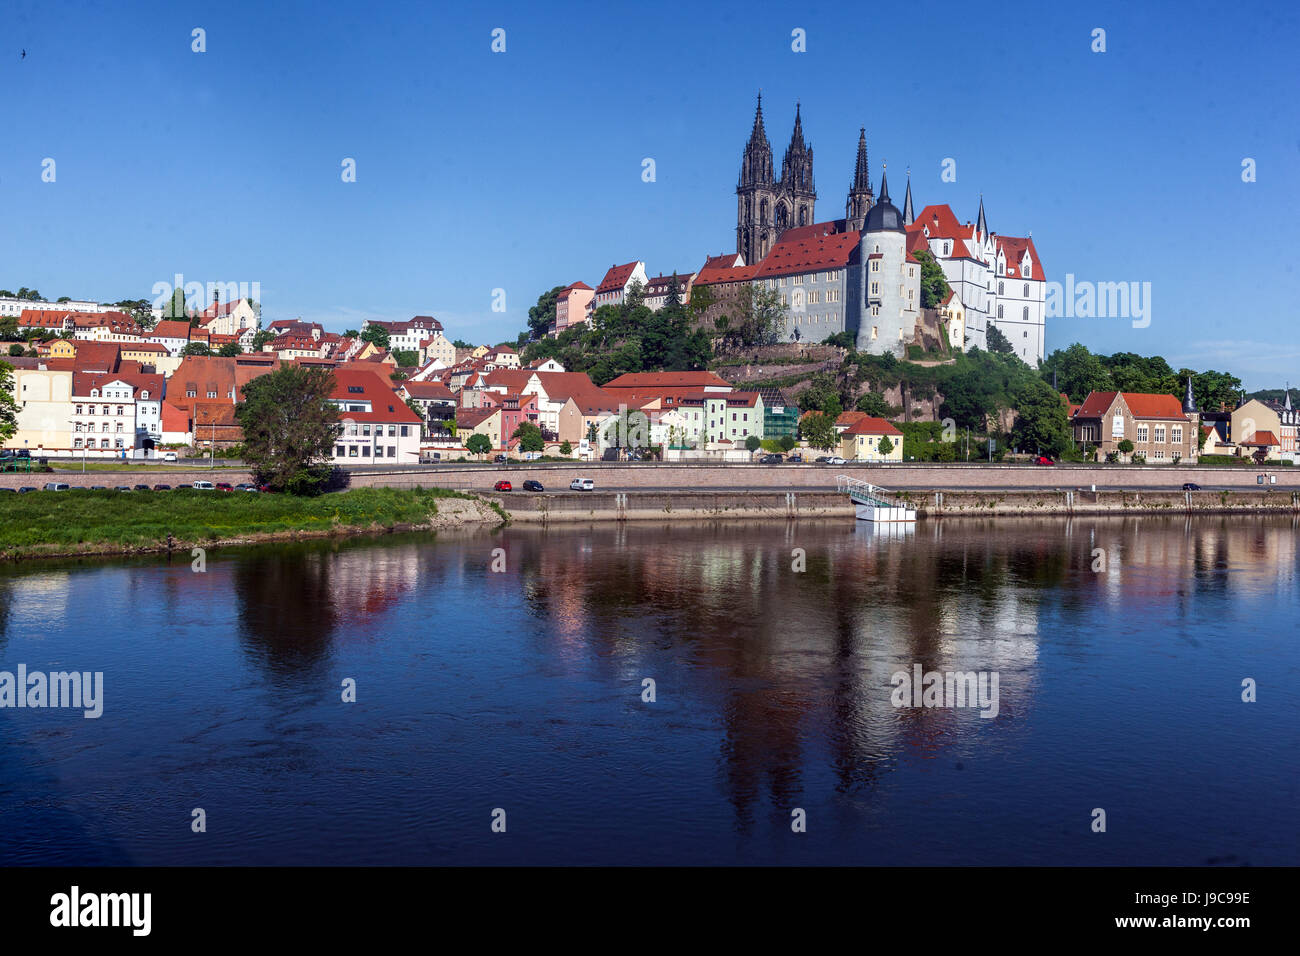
908,216
860,195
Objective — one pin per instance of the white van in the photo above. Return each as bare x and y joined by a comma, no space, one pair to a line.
169,456
203,486
582,484
55,486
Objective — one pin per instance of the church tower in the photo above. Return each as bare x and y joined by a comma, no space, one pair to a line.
756,194
860,195
797,202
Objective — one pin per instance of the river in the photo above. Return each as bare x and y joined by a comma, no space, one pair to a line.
501,676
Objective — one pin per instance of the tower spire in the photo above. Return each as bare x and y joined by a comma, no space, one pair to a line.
884,184
860,196
797,138
908,216
981,224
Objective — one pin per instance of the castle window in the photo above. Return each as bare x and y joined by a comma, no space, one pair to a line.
1001,288
875,265
947,248
1026,290
1026,314
999,311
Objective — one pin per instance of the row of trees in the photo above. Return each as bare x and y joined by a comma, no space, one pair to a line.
1078,371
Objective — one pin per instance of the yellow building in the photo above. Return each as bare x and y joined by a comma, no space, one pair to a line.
44,420
862,439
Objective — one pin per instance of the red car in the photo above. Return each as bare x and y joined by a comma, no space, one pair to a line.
1043,460
225,486
503,486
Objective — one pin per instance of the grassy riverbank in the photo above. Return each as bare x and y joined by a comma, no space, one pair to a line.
51,523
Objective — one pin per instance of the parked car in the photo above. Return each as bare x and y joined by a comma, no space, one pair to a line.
99,487
123,487
836,460
771,459
225,486
500,459
25,488
1043,460
796,459
531,485
162,487
822,460
56,486
203,486
169,456
503,486
141,487
1191,486
246,486
582,484
14,490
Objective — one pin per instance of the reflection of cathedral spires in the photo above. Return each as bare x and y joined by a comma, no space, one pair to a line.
860,195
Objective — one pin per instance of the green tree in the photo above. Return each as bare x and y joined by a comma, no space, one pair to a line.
530,437
566,448
350,333
787,442
934,285
478,444
407,358
174,310
1041,422
16,349
289,428
261,337
230,350
8,406
753,443
886,446
1077,372
9,327
456,344
541,315
997,342
873,403
818,430
196,348
376,335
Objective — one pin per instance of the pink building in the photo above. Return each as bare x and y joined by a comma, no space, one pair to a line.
573,306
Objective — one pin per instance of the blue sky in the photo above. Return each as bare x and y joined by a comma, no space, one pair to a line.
522,170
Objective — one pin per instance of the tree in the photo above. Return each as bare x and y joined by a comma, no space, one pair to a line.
196,348
456,344
261,337
230,350
566,448
16,349
997,342
376,335
1041,421
541,315
872,403
1077,372
886,446
9,327
934,284
174,310
407,358
843,340
289,428
818,430
530,437
1125,446
787,442
138,309
8,406
753,443
350,333
478,444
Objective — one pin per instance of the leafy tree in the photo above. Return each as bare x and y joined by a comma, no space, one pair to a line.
230,350
138,309
934,284
997,342
456,344
530,437
1041,422
350,333
542,314
566,448
753,443
843,340
478,444
8,406
376,335
1077,372
261,337
873,403
289,428
818,430
9,327
16,349
1125,446
407,358
196,348
886,446
787,442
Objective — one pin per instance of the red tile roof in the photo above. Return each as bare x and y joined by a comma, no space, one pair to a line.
616,278
655,380
1014,250
171,329
869,425
354,383
711,275
1140,405
1263,438
813,254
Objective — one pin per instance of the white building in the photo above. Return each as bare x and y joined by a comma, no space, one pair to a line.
618,280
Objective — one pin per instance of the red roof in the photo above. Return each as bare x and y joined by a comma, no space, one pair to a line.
1261,438
428,390
813,254
654,380
869,425
353,383
1014,250
575,287
616,278
43,318
171,329
711,275
939,222
1140,405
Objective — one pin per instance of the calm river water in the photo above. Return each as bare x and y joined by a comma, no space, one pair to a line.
771,648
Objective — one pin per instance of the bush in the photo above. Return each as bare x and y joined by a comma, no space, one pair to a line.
787,442
753,443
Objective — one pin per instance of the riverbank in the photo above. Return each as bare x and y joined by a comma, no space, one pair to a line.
808,504
81,522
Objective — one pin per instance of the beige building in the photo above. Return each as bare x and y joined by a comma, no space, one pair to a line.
861,437
1156,425
44,397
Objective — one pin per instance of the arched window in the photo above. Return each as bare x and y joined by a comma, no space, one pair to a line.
1026,316
1001,289
762,211
947,248
1026,290
999,311
803,215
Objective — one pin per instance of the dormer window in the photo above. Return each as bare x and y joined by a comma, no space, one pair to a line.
94,393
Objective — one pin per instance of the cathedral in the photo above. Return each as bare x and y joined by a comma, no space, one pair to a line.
767,207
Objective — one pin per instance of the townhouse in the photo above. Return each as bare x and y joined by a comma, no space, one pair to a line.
376,425
1161,429
618,281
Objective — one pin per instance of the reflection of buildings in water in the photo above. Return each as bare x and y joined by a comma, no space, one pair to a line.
39,599
370,581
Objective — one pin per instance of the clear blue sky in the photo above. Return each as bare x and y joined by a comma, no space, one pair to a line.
522,170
